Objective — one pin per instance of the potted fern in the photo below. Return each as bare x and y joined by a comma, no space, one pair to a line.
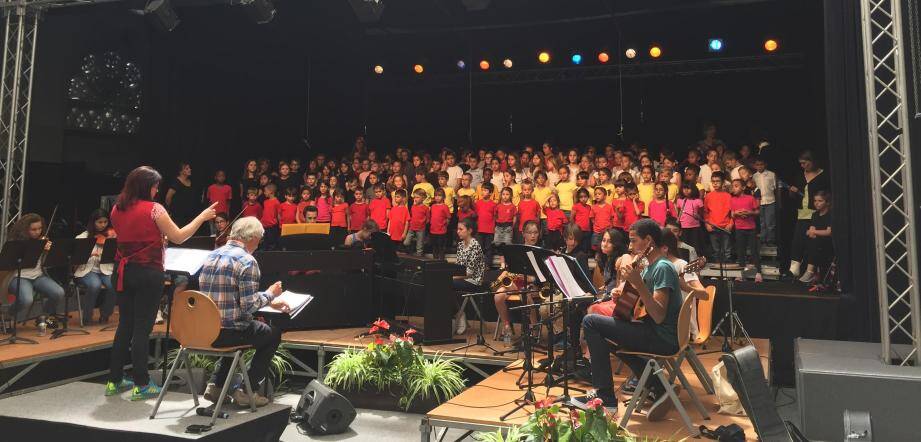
393,374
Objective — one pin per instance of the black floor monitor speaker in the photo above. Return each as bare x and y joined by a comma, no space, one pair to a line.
323,411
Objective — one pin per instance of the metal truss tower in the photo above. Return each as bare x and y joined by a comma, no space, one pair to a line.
884,57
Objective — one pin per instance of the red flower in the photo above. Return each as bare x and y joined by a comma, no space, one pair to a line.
374,329
595,403
378,340
410,331
382,324
545,402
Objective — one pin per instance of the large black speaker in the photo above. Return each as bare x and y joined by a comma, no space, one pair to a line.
323,411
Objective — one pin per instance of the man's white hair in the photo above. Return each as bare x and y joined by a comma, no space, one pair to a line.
246,229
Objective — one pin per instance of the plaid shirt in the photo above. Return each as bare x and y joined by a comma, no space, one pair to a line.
230,276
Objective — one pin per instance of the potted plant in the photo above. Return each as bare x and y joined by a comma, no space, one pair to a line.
396,367
550,423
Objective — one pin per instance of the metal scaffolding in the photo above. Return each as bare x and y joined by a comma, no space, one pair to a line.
891,177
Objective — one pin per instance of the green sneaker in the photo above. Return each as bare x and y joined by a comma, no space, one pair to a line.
149,391
124,385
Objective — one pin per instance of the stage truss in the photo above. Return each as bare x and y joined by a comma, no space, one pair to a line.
891,179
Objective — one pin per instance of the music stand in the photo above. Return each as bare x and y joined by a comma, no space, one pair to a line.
17,255
197,242
108,257
384,248
67,253
306,241
178,264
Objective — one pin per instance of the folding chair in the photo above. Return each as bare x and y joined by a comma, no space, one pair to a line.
196,323
704,329
658,365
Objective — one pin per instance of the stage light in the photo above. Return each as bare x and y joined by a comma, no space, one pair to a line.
507,63
603,57
771,45
715,45
484,65
543,57
418,69
630,53
461,64
576,58
161,14
378,69
655,52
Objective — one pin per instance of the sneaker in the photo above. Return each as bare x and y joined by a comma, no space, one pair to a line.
212,392
149,391
759,277
242,399
609,401
159,319
124,385
461,323
807,277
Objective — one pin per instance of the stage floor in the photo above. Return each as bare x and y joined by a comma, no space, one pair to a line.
482,404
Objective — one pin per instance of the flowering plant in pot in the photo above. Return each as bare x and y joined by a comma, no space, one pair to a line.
550,422
394,364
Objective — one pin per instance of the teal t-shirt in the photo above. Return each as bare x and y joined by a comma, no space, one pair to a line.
662,275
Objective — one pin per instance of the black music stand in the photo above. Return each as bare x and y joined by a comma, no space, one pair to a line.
527,363
306,241
17,255
67,253
384,248
197,242
108,257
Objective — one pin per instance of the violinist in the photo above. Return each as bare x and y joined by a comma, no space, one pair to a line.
32,226
222,227
93,277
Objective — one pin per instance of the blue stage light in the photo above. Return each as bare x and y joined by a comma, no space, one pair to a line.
576,58
715,45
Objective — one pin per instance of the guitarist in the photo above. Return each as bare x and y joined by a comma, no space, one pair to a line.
659,292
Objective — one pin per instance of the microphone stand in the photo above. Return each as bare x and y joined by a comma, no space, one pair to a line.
480,337
735,322
527,363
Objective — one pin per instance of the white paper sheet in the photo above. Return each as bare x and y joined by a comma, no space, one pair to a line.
540,275
297,302
184,260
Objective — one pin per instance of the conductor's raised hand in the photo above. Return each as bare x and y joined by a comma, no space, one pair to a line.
209,213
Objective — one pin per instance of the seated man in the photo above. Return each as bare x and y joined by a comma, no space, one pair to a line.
230,276
657,333
360,238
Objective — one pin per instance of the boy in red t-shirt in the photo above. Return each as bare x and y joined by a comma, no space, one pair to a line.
287,211
717,212
485,209
418,218
602,216
438,223
505,217
306,200
380,207
528,207
221,193
398,217
556,220
358,211
620,205
745,208
269,217
582,216
339,218
635,207
252,207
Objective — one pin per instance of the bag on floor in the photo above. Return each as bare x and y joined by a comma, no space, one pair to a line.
728,399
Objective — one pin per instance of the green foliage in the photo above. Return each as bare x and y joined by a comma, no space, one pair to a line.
550,423
438,378
278,366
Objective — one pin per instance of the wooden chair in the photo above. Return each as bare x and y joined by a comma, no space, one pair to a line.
196,323
704,329
658,365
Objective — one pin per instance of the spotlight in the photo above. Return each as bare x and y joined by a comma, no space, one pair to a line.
715,45
378,69
543,57
261,11
603,57
577,58
418,69
162,15
507,63
771,45
484,65
461,64
630,53
655,52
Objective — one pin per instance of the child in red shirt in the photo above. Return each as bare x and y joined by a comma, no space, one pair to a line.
438,223
380,207
556,220
287,211
339,218
582,216
251,206
602,216
485,209
306,200
221,193
465,207
745,210
418,218
528,207
620,205
635,206
505,217
398,217
358,211
269,217
717,213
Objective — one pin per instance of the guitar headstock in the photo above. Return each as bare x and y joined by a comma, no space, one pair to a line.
696,265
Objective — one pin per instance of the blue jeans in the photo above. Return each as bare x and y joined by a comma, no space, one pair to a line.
502,235
93,284
629,336
265,338
769,223
24,290
719,241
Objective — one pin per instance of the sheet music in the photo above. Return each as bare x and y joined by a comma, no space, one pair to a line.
540,275
563,277
297,302
185,260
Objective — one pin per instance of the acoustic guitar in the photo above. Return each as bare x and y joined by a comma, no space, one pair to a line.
632,308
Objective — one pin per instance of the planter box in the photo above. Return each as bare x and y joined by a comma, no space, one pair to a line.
387,400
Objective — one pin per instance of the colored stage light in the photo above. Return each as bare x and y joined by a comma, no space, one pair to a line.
543,57
507,63
603,57
655,52
577,58
461,64
715,45
771,45
484,65
418,69
630,53
378,69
